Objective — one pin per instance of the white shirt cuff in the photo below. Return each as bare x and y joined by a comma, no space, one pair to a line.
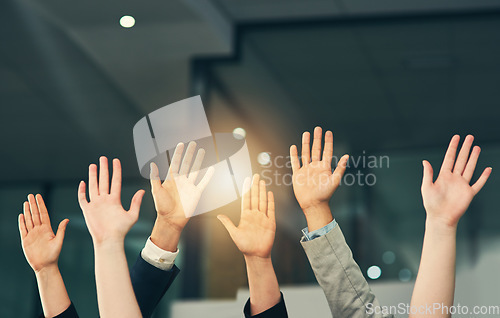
158,257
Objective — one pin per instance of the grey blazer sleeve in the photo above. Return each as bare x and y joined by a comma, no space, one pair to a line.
344,286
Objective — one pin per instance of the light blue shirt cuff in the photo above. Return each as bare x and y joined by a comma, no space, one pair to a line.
320,232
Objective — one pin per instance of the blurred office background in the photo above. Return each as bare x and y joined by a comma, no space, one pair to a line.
390,78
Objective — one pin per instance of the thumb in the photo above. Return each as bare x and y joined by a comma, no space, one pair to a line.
61,230
135,204
428,174
228,224
339,171
206,178
154,176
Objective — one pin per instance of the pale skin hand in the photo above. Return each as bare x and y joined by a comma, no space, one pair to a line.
254,237
177,197
445,201
108,223
42,248
105,216
448,198
314,182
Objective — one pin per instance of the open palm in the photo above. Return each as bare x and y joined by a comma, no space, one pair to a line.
449,197
104,214
313,182
254,236
177,197
40,245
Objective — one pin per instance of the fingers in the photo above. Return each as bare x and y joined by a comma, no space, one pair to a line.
206,179
135,204
44,214
27,216
270,206
116,182
316,147
61,230
449,157
154,176
176,161
339,171
471,164
23,231
294,158
482,180
306,157
104,175
428,175
82,197
35,214
254,193
228,224
262,197
328,150
93,189
188,157
463,155
245,198
196,165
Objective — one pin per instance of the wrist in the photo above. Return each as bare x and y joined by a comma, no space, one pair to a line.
110,244
257,261
165,235
47,270
440,226
169,223
318,216
315,208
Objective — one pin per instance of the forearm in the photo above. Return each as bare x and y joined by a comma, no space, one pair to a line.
53,294
435,282
115,295
165,236
263,284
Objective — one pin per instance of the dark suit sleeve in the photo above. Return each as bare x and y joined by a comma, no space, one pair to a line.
150,284
70,312
277,311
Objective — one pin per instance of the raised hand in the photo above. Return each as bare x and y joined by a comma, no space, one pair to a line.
254,236
104,214
445,201
108,223
177,197
314,182
449,196
41,247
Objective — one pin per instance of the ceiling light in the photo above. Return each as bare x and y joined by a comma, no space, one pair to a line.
127,21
